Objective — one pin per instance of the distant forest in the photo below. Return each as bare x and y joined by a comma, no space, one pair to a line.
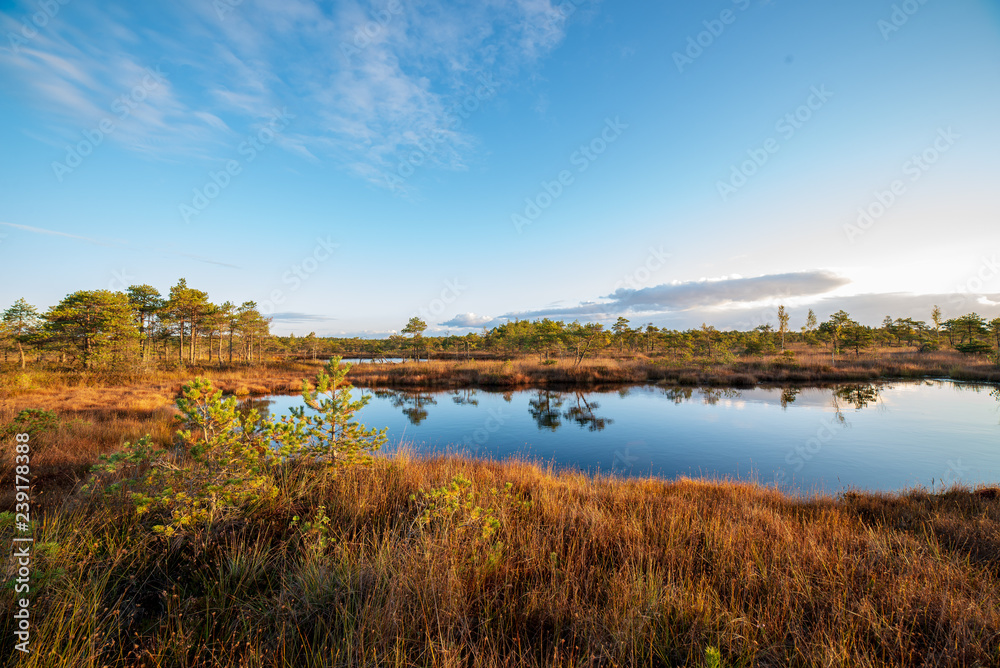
100,328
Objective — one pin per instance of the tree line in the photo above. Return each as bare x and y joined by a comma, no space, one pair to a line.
970,334
104,328
101,328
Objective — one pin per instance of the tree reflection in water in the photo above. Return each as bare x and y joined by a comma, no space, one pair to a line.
412,403
788,396
583,414
466,397
712,395
678,395
859,396
262,405
547,409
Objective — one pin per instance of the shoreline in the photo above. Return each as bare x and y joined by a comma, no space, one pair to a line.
90,414
519,559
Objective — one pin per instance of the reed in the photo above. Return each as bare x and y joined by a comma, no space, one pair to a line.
805,365
580,571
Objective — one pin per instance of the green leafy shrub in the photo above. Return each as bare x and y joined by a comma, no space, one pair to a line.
316,535
453,510
974,348
225,461
32,421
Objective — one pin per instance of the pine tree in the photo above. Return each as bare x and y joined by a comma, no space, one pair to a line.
97,324
146,301
22,321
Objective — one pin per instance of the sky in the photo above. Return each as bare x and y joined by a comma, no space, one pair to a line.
349,165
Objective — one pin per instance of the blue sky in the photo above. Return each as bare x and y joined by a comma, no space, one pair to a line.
348,165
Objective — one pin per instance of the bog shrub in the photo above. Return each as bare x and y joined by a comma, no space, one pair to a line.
225,461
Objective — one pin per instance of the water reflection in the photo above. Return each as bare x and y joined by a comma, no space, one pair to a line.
679,395
583,412
548,409
552,409
468,397
712,395
899,434
788,396
858,396
261,404
414,404
545,408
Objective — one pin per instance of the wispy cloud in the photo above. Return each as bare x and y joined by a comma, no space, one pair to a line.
56,233
117,244
78,84
368,80
297,316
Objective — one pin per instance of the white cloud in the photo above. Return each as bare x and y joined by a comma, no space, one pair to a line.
464,320
367,84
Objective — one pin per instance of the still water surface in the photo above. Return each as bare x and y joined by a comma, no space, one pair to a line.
879,437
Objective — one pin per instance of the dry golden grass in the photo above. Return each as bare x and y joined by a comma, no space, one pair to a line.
98,412
808,365
582,572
